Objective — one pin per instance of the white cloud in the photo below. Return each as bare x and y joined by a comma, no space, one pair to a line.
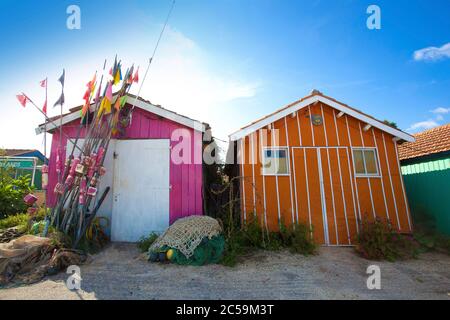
182,78
423,125
430,123
441,110
185,79
433,53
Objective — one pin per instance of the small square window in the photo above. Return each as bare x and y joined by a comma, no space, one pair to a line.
275,161
365,161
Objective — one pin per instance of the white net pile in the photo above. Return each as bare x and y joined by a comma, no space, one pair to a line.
187,233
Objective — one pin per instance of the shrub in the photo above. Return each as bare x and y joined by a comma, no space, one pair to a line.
12,192
378,240
19,220
145,242
296,238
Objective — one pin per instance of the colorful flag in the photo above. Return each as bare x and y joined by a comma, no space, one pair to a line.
87,94
114,69
97,96
130,78
43,84
123,100
120,102
117,105
105,107
93,90
91,84
118,74
62,78
108,93
85,109
136,76
22,99
60,101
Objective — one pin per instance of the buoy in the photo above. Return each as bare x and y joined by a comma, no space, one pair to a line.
170,254
153,256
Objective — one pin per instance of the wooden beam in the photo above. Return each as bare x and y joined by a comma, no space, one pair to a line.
340,114
367,127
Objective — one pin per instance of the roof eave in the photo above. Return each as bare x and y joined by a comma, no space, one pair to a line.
147,106
310,100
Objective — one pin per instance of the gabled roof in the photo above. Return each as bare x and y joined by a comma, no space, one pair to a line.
146,105
17,152
310,99
25,153
428,142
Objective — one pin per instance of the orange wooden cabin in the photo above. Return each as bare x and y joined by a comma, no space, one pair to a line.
320,162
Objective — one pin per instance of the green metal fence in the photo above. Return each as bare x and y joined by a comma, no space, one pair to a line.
428,188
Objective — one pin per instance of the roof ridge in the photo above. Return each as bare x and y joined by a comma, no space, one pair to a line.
315,94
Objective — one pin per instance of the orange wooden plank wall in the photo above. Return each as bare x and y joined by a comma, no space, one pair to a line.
334,210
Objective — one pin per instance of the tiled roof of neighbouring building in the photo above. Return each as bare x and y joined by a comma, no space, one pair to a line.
428,142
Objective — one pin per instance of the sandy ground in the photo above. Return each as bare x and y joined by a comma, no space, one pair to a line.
119,272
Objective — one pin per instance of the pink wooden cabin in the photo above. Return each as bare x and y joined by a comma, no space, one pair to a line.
151,186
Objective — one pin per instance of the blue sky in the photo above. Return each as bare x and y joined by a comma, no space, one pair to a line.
228,62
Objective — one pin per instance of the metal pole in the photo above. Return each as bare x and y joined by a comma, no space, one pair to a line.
48,119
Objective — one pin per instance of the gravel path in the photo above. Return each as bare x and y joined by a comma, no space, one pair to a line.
119,272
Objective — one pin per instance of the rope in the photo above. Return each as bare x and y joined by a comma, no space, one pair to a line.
151,59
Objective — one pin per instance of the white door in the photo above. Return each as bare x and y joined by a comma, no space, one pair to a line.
141,189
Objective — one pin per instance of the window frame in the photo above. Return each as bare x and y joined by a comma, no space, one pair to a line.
377,162
263,157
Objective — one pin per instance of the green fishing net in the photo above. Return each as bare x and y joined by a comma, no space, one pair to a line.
208,251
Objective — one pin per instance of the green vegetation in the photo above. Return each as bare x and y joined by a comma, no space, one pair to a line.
390,123
378,240
12,192
19,220
22,221
145,242
296,238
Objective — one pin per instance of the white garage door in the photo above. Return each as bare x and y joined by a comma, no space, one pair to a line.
141,189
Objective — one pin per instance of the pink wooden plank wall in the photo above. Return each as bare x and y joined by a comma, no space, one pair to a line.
186,179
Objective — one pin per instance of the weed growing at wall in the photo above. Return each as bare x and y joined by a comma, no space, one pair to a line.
378,240
296,238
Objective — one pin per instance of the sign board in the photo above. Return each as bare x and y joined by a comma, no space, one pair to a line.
17,163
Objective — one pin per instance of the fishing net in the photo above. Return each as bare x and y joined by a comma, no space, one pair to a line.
208,251
29,258
195,240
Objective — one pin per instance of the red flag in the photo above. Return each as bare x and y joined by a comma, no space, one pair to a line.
87,94
22,99
91,83
136,76
43,84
